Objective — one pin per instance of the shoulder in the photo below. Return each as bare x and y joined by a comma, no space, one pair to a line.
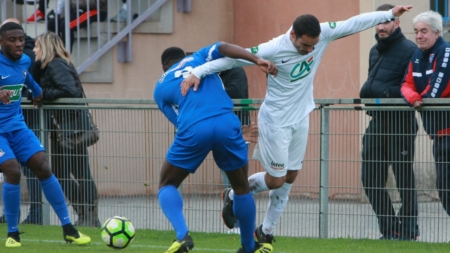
58,62
409,43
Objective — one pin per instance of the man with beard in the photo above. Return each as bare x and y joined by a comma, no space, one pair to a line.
389,138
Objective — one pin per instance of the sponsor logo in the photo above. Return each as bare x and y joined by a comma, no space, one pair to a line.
332,25
284,61
301,70
254,50
4,77
276,166
16,91
417,61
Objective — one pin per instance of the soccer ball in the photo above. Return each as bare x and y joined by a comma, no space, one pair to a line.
117,232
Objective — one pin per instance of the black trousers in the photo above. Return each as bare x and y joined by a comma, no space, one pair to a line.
441,153
72,169
389,141
78,19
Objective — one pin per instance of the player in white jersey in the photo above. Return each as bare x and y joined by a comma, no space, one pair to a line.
284,115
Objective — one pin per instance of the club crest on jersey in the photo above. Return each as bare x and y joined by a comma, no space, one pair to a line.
332,25
301,70
254,50
24,74
1,153
431,58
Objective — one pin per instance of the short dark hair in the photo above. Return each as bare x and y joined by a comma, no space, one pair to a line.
171,54
385,7
10,26
306,24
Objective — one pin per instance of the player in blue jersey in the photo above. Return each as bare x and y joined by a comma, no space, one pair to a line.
205,122
18,144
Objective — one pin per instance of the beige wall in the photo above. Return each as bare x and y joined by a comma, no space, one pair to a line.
342,71
191,32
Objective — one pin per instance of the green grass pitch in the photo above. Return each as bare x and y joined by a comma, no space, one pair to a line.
48,239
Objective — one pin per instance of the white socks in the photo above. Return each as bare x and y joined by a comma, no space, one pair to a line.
278,199
256,182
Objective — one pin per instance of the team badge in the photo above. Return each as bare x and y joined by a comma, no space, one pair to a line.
431,58
1,153
332,25
24,74
254,50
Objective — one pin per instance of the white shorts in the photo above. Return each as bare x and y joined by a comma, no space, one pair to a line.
280,149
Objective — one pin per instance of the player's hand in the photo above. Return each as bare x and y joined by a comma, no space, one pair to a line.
37,100
5,96
188,82
250,132
417,104
267,67
398,10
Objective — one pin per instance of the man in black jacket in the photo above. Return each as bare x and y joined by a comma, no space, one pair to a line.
389,138
31,117
236,85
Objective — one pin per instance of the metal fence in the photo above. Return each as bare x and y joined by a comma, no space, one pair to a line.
92,39
327,199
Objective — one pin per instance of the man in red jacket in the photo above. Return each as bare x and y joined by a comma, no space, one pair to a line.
428,76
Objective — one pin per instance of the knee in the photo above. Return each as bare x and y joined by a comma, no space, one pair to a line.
274,182
11,171
42,170
12,176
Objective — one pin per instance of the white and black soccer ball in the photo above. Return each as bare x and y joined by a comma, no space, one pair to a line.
117,232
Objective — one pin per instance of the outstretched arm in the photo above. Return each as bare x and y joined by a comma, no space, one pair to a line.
237,52
232,52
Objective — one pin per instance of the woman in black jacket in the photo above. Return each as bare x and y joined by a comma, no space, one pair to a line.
59,79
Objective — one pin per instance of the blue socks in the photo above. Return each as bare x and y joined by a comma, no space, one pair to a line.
172,206
11,199
245,211
55,196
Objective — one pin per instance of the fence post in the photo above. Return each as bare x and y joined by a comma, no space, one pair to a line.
43,136
323,191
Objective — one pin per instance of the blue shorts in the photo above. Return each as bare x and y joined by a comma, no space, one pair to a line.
220,134
19,144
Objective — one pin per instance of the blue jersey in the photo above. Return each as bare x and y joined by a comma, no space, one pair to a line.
14,76
209,100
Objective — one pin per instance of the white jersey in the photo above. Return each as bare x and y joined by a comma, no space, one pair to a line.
289,97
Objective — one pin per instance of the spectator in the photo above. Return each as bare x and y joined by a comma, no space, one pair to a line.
236,86
283,119
428,76
31,117
82,12
122,15
199,120
389,138
40,12
59,79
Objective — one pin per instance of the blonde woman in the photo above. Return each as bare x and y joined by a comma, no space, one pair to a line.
58,78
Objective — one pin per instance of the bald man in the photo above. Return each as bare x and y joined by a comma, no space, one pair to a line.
31,118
